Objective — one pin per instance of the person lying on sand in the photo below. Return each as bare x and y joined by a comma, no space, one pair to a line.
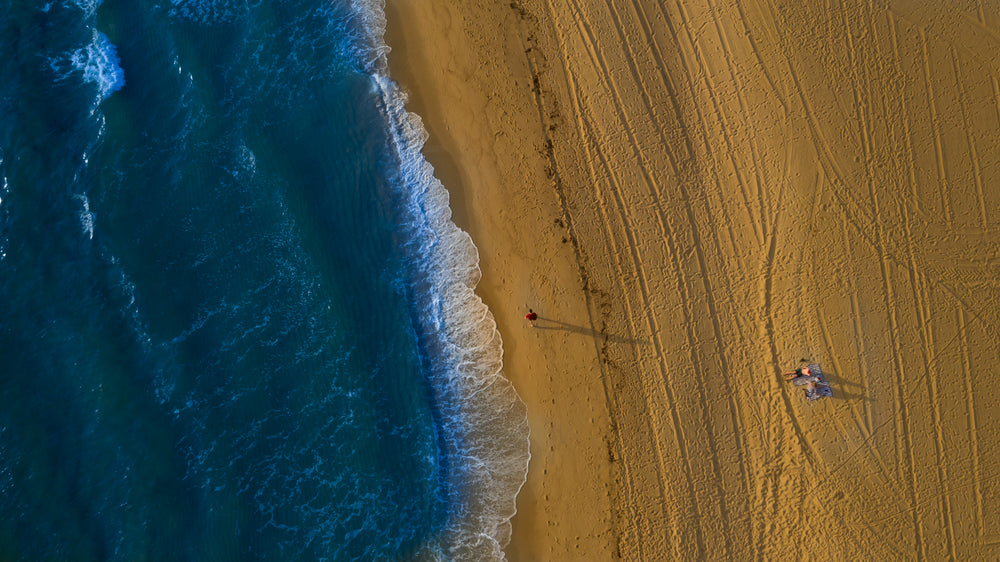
816,388
803,372
814,384
812,378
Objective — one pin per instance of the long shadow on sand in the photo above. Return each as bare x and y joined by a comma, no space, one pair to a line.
842,389
550,324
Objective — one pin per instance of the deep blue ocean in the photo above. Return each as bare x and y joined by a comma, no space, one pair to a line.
236,321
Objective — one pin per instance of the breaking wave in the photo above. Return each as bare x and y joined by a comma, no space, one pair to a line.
483,422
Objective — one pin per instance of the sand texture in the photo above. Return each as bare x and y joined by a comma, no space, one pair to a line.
694,196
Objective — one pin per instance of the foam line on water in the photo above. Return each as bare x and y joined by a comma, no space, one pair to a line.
86,216
483,420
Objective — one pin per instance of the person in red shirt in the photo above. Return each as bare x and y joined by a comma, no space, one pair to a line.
531,316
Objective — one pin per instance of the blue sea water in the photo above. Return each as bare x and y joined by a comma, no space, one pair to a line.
236,321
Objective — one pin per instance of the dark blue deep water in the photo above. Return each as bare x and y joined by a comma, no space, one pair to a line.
236,322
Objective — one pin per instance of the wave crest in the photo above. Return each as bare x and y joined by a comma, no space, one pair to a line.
100,65
98,62
484,422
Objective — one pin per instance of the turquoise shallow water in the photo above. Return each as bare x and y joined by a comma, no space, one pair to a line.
235,320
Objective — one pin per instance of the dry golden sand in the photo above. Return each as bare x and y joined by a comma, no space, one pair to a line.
695,195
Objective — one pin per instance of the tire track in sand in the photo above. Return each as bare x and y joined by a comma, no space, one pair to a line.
936,127
709,292
861,88
796,428
903,401
680,440
601,66
977,170
860,218
660,64
613,407
970,406
604,76
910,158
638,272
791,419
853,211
755,160
927,339
586,133
611,396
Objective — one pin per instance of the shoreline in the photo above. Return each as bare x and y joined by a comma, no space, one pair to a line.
693,198
479,139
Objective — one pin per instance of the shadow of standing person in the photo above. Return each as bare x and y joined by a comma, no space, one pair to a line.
550,324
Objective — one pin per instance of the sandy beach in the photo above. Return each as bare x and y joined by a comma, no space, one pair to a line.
696,196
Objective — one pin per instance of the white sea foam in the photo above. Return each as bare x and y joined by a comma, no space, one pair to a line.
86,216
484,421
4,191
5,187
210,11
100,65
88,6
